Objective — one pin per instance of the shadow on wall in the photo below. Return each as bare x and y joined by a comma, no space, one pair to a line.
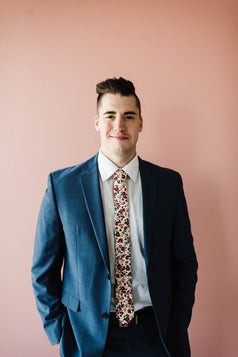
209,236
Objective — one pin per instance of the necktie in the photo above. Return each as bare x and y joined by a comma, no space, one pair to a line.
123,277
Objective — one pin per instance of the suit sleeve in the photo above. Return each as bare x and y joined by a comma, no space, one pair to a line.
184,278
48,258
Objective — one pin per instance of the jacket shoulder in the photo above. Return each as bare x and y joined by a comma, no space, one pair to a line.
71,172
161,171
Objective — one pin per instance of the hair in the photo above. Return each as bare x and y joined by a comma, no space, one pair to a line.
116,86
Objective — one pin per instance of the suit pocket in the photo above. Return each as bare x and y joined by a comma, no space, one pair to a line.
70,301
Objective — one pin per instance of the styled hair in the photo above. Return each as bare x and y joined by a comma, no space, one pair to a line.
116,86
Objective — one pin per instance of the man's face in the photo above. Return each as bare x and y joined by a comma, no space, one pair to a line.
119,124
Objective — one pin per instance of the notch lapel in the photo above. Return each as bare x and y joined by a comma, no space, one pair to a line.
92,196
149,194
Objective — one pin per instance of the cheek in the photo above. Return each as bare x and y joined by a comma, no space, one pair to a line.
136,132
105,129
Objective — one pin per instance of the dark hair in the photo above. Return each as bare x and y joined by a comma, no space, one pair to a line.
116,86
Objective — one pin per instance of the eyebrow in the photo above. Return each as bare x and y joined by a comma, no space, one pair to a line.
109,112
126,113
130,112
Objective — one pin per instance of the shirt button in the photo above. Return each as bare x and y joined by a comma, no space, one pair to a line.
104,315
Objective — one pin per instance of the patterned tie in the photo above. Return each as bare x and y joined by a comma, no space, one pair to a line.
123,277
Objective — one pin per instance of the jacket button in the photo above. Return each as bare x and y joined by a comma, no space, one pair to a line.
104,315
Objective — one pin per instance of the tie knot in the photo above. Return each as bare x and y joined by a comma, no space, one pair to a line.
120,175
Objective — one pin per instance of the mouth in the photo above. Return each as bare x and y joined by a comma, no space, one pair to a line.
119,137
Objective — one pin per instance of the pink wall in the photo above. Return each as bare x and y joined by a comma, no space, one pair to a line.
182,57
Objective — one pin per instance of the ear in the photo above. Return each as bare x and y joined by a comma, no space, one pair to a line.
96,123
141,124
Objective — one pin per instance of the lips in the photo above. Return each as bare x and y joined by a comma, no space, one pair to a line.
119,137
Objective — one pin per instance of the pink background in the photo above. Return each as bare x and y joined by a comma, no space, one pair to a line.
182,57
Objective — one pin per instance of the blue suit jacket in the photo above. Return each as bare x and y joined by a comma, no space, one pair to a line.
71,232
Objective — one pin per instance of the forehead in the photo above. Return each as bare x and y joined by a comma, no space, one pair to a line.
118,103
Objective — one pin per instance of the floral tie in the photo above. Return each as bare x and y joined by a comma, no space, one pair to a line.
123,277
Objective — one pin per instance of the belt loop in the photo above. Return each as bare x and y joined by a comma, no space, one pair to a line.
136,319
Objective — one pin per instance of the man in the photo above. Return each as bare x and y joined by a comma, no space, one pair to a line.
120,226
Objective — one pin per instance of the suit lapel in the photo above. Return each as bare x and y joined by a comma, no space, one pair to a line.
149,194
92,196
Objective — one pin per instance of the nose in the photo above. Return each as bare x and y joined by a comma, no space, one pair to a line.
119,123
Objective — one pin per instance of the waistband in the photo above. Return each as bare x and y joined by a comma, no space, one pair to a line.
141,316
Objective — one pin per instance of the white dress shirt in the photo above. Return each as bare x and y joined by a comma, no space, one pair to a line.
139,279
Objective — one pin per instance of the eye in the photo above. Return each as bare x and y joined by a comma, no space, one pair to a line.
129,117
109,116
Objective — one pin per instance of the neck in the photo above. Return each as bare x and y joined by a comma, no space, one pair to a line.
120,161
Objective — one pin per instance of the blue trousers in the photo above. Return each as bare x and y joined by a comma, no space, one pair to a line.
140,340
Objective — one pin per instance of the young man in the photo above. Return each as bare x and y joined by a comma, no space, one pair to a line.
121,227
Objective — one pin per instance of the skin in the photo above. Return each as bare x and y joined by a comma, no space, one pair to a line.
119,123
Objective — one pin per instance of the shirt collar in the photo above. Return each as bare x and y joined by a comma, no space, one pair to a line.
107,168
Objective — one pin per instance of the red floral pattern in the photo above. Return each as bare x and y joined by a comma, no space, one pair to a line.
123,277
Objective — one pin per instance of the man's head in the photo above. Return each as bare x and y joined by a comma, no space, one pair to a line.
118,119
